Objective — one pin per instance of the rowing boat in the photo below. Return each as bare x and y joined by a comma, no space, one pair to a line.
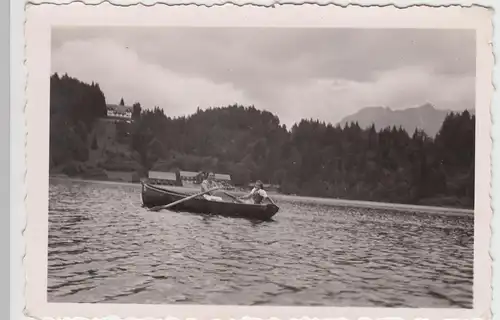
153,196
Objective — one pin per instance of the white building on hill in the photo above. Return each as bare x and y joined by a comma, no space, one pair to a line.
119,111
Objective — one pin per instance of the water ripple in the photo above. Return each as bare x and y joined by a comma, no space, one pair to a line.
103,247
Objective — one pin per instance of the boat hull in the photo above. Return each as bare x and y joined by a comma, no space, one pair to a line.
153,196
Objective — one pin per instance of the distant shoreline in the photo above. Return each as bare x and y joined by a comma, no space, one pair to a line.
325,201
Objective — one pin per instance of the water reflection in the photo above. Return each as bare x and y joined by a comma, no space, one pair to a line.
103,247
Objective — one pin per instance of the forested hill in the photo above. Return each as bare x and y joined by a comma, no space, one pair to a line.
312,158
74,107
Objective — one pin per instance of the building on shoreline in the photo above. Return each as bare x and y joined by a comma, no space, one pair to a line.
222,177
190,177
164,178
267,187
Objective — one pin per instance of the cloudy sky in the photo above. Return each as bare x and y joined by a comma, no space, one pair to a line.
322,74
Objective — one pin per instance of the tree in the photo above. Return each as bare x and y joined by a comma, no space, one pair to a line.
74,107
136,111
94,144
312,158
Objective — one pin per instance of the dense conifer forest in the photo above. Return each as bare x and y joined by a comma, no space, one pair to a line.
312,158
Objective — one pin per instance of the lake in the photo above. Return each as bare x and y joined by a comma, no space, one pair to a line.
105,248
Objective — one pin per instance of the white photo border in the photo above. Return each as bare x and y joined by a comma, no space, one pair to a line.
40,19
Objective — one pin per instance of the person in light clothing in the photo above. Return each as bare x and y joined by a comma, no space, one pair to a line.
258,194
207,184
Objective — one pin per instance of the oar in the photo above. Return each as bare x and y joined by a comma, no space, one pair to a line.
272,202
157,208
232,197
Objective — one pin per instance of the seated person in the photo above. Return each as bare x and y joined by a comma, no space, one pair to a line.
207,184
258,194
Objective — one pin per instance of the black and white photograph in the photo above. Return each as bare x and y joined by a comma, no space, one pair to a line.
258,165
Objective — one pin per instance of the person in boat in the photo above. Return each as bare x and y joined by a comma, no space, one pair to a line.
258,194
210,183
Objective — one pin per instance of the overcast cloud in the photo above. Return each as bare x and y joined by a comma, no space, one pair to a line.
324,74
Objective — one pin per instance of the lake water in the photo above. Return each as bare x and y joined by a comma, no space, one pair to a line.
104,247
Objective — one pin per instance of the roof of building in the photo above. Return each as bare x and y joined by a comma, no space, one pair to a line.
119,108
189,174
266,185
222,176
160,175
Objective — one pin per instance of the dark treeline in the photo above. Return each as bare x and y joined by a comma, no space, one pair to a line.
311,159
314,158
74,106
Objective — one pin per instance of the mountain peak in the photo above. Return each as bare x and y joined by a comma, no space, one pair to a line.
427,106
425,117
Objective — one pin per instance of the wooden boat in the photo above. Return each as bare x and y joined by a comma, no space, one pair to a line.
155,196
